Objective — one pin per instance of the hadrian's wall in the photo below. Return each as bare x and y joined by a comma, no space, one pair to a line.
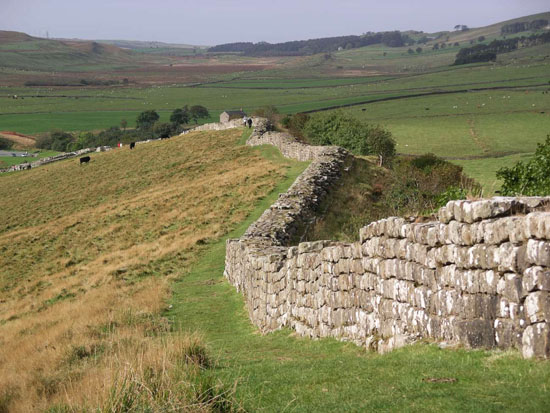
478,276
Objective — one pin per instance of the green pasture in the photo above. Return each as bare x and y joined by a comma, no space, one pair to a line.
466,125
91,108
280,371
484,170
6,161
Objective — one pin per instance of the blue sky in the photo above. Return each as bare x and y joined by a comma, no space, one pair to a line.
212,22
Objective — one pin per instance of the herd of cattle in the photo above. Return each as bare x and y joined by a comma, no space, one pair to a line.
86,159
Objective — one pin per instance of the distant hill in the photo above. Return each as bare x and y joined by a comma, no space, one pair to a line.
391,39
21,51
138,44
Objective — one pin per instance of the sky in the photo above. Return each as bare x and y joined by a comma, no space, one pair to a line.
210,22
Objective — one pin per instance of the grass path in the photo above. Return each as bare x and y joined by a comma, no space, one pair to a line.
282,372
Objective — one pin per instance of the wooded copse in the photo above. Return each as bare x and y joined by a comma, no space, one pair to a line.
519,27
488,52
313,46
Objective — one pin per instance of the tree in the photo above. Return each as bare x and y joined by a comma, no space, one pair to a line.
198,112
123,124
341,129
147,119
163,130
268,111
410,51
382,144
5,143
481,39
530,178
180,116
435,47
418,50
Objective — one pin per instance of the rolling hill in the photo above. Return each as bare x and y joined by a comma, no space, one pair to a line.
21,51
87,264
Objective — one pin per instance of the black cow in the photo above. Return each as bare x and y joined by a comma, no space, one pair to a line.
84,159
132,145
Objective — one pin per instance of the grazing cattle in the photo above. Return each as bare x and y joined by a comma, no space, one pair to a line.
132,145
84,159
28,166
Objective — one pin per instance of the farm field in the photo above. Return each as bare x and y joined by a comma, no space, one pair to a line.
6,161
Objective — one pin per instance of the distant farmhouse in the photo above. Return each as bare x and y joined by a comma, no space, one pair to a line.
231,114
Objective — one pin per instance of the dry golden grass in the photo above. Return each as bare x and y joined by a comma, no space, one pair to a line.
87,254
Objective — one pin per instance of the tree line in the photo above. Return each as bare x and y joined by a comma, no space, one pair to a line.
314,46
488,52
147,127
519,27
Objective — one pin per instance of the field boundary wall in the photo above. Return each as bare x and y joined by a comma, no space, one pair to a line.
477,276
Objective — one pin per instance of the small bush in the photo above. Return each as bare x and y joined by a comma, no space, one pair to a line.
5,143
530,178
338,128
269,111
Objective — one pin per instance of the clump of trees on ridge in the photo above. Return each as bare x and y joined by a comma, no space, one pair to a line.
314,46
488,52
147,127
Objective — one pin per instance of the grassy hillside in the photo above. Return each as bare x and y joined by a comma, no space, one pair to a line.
88,255
18,50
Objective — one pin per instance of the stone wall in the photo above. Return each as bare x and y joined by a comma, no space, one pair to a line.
478,276
50,159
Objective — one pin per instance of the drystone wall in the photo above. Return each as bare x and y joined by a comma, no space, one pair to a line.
50,159
235,123
478,276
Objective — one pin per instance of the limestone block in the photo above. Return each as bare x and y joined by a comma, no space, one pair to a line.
538,252
536,341
445,214
342,266
292,252
477,333
307,247
356,266
507,335
356,252
488,281
517,229
510,287
538,225
490,208
507,257
496,231
536,278
537,306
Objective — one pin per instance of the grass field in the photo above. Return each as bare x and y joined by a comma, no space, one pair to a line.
6,161
89,254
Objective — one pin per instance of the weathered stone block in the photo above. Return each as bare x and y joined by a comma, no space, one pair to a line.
536,278
536,341
477,333
538,252
538,225
537,306
510,287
